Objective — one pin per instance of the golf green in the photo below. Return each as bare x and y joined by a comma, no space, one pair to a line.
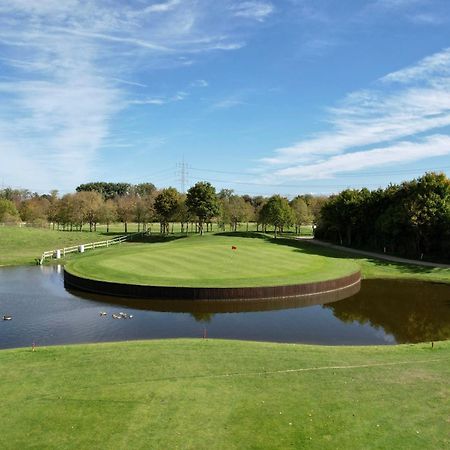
211,261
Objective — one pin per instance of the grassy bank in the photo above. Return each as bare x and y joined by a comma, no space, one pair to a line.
202,394
23,245
259,260
377,268
210,260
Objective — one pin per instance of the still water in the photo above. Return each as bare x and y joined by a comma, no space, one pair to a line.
382,312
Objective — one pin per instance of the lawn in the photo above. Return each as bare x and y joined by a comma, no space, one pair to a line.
259,260
203,394
210,261
377,268
24,245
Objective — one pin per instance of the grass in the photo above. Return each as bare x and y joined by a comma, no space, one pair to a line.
372,268
259,260
209,261
203,394
23,245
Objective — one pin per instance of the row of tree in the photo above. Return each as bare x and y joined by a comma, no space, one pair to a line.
410,219
106,203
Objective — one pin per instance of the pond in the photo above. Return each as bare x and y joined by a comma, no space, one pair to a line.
382,312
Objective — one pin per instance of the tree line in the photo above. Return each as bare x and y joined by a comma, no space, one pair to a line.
410,219
107,203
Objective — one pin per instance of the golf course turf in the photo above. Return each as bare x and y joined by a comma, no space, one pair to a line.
210,261
213,394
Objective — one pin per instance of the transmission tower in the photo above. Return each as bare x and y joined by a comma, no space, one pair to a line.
183,174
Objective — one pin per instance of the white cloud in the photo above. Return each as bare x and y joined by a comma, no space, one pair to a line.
68,68
227,103
402,152
410,103
200,83
437,64
157,8
256,10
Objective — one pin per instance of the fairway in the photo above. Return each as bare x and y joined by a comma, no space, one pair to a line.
203,394
210,261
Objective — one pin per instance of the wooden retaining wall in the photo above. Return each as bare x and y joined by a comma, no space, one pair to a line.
194,293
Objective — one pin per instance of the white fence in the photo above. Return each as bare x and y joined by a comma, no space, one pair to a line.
61,253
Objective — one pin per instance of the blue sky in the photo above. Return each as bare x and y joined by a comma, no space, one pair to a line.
287,96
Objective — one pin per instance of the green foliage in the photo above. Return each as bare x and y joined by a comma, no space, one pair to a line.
411,219
107,190
201,201
277,212
166,205
144,189
302,213
8,211
234,210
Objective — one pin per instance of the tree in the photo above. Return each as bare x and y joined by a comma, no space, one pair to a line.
166,205
201,201
237,210
107,190
35,209
8,211
107,213
278,213
89,204
145,209
144,189
182,213
126,209
302,215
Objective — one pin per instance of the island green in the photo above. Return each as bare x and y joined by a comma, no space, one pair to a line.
211,261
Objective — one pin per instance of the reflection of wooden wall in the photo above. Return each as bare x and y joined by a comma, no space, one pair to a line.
193,293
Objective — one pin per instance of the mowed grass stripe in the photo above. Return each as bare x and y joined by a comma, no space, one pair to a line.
209,261
167,394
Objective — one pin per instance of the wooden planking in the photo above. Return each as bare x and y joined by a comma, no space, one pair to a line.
194,293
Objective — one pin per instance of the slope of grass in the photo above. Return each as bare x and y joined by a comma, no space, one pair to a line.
210,261
202,394
377,268
24,245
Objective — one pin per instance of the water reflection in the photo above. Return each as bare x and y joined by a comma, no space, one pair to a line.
410,311
207,308
383,312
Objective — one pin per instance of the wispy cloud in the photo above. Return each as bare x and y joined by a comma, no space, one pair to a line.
179,96
69,67
430,69
410,103
200,83
256,10
401,152
421,12
228,103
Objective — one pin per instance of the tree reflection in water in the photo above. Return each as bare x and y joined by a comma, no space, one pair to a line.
410,311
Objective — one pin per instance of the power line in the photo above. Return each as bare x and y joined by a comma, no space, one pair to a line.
298,186
359,174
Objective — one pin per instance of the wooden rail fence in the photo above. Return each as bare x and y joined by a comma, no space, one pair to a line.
61,253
